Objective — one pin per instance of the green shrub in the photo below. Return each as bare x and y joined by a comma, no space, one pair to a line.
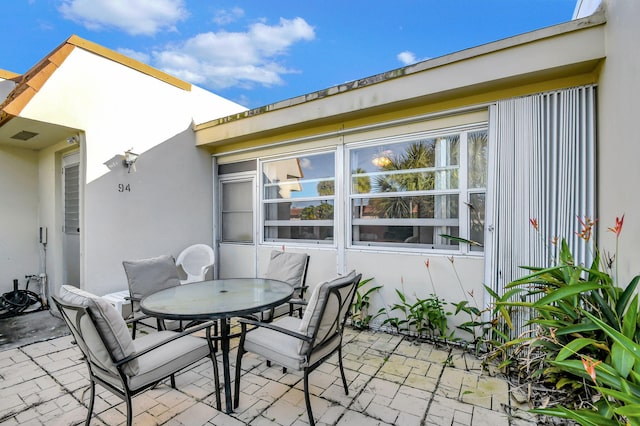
587,339
424,317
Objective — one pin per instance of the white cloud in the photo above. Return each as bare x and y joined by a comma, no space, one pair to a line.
242,59
407,58
226,16
305,163
134,17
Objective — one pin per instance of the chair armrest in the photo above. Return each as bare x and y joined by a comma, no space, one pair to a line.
243,322
301,302
301,289
187,332
133,319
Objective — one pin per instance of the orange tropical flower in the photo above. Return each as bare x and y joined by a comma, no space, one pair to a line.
590,367
534,222
587,228
554,241
618,228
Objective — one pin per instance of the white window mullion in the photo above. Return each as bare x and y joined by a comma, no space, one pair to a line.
463,181
341,207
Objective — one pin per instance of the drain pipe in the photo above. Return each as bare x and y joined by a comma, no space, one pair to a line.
44,290
43,278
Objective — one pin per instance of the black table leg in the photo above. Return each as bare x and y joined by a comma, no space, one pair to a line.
224,340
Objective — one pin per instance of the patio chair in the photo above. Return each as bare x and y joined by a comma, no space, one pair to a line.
146,276
124,366
303,343
195,261
292,269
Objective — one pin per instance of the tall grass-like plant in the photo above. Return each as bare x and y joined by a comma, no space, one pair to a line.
587,337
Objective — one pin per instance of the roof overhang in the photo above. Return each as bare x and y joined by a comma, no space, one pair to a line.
569,49
31,134
15,126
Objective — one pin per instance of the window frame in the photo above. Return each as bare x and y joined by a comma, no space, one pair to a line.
223,212
463,192
264,201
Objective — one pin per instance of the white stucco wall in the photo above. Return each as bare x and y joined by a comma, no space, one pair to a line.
162,206
451,278
585,8
618,140
19,214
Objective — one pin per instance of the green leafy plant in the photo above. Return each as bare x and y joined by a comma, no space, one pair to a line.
360,317
489,327
587,337
424,317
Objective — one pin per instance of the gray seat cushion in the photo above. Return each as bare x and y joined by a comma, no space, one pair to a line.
275,346
170,357
291,352
152,366
283,349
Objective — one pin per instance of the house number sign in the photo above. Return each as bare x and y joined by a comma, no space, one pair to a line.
124,187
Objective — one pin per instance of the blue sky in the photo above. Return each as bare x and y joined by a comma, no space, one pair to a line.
262,51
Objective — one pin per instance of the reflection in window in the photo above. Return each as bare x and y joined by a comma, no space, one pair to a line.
298,198
478,144
476,220
410,192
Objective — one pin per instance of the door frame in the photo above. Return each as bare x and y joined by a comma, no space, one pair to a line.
218,244
69,160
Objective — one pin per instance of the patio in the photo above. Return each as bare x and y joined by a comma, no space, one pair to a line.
392,380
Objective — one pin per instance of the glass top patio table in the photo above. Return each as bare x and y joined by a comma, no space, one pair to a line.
218,300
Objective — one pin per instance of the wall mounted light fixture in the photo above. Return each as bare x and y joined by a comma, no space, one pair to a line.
129,160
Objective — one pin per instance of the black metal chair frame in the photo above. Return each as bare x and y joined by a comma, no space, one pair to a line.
337,326
125,393
300,302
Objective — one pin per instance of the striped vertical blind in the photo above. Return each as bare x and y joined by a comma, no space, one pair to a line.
543,168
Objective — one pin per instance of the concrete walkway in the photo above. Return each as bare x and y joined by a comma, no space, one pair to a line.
393,380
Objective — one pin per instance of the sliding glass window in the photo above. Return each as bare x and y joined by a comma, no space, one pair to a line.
298,197
419,191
